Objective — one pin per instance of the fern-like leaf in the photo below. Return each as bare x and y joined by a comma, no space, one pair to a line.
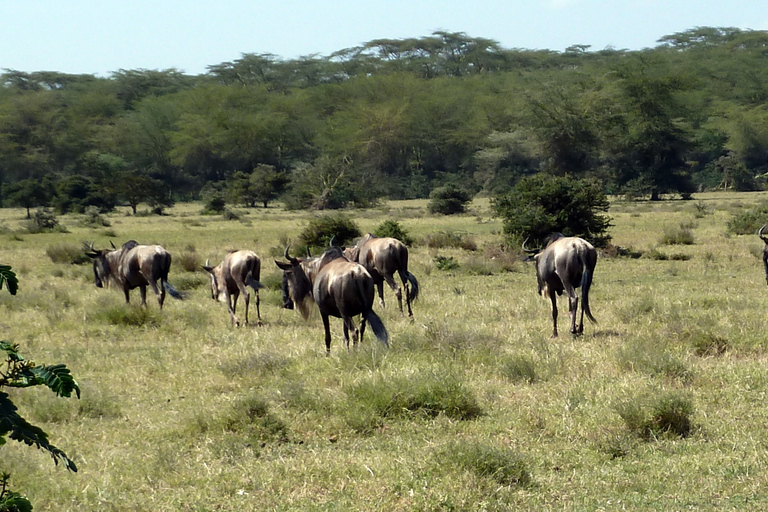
8,277
21,430
58,378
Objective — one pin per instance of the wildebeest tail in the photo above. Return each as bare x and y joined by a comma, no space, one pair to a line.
377,326
253,283
586,282
413,293
173,292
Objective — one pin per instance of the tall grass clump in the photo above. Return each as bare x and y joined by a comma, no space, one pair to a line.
426,394
651,416
450,240
129,315
677,235
502,465
67,253
653,358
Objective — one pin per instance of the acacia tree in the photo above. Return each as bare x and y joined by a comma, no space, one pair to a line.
654,148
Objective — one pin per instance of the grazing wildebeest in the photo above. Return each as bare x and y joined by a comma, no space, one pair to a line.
232,276
340,288
566,263
765,251
133,266
382,257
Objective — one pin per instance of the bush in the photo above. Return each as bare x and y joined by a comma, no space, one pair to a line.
448,200
749,222
543,204
44,221
393,229
446,263
321,230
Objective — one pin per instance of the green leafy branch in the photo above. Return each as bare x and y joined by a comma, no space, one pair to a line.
8,277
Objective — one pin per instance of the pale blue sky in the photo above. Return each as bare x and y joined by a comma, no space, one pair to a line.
99,37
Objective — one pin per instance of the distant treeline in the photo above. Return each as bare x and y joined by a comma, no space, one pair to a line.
393,118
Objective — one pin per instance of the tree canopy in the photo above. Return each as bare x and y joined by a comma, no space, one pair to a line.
394,118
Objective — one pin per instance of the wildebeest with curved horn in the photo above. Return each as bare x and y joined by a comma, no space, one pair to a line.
133,266
382,257
233,276
565,264
340,288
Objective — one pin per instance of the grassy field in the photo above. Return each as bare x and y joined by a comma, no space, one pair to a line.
473,407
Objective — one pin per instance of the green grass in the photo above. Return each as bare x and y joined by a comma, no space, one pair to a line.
659,406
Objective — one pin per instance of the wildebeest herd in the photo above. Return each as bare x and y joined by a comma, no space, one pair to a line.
342,282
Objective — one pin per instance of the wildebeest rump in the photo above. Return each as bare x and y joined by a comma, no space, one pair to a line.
382,257
565,264
765,251
232,276
133,266
340,288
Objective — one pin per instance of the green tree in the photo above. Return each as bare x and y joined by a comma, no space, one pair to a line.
656,141
28,194
263,185
543,204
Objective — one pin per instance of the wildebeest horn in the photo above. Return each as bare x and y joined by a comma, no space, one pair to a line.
760,234
525,249
288,257
333,238
113,245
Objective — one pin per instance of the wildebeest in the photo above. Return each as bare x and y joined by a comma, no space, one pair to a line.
340,288
382,257
133,266
232,276
765,250
566,263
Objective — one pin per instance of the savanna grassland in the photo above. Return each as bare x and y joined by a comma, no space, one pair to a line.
473,407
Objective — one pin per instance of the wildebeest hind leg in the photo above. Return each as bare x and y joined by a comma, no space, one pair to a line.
553,299
398,292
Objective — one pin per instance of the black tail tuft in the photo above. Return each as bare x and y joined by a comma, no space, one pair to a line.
414,288
377,326
173,292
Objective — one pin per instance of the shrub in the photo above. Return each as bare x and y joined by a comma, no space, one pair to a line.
500,464
93,218
543,204
43,221
321,230
446,263
748,222
448,200
129,315
393,229
215,205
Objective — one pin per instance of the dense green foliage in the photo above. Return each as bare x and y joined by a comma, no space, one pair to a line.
544,204
395,118
322,231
